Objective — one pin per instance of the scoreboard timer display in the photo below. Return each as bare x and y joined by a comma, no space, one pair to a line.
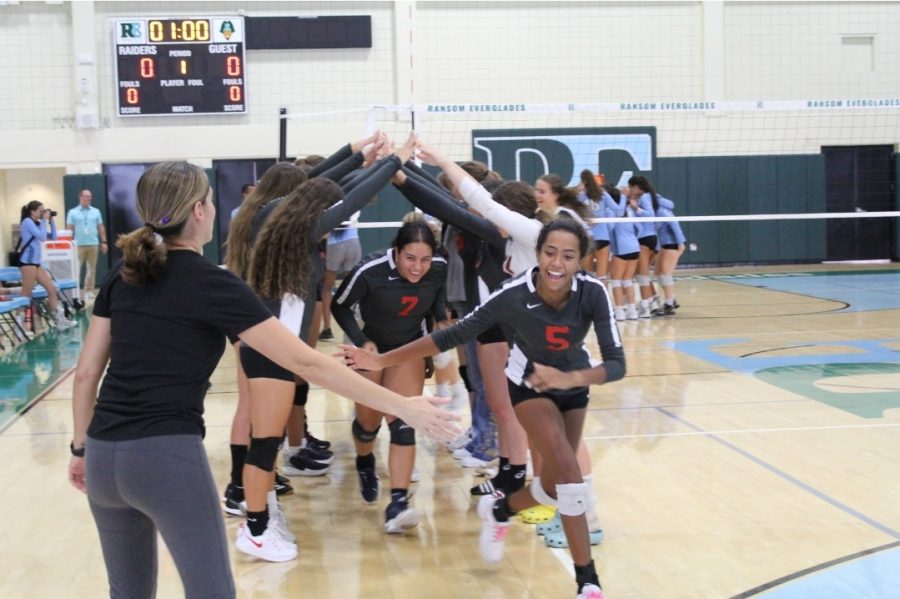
180,66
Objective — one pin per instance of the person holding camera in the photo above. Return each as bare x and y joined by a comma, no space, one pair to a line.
33,231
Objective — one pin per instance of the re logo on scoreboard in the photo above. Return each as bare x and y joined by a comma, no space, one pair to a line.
131,32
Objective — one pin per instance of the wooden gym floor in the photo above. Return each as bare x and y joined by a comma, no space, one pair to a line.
752,450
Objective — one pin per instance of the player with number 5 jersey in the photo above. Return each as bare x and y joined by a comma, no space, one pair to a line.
548,311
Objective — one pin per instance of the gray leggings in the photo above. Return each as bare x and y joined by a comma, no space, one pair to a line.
158,483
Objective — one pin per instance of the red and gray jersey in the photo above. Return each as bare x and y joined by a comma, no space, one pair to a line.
540,334
393,310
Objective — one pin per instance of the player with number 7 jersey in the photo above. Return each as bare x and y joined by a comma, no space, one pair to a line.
393,309
397,291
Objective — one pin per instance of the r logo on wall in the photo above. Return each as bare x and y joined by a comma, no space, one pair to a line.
526,154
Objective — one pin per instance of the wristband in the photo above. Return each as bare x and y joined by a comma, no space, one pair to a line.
78,453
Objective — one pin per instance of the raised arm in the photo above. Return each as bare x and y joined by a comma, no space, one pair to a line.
438,202
370,182
522,229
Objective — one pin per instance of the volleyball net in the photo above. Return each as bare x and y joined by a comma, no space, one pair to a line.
753,181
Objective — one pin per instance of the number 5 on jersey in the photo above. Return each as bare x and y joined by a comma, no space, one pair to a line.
409,301
555,336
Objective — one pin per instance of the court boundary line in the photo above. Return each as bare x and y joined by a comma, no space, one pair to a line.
789,478
700,432
806,571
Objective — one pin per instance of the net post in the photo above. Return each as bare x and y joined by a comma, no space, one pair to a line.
282,134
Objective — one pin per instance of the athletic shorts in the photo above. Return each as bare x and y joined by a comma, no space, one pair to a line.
492,335
631,256
342,256
670,246
599,244
257,366
28,264
570,400
649,242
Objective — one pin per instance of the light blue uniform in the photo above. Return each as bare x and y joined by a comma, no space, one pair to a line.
668,233
645,208
30,230
624,236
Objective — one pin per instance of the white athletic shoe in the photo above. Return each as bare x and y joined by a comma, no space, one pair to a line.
471,461
461,441
403,521
268,546
459,397
461,453
62,323
644,310
277,519
631,312
590,591
490,541
619,313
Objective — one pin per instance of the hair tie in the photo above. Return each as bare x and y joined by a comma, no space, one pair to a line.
152,228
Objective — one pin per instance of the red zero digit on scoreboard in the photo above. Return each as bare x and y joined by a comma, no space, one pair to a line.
180,66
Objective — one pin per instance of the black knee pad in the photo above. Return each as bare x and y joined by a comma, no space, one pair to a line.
263,452
464,375
402,433
361,434
301,393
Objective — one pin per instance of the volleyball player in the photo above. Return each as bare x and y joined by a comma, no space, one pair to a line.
671,242
160,323
641,191
285,274
553,197
279,180
626,250
396,290
591,195
513,213
493,350
550,308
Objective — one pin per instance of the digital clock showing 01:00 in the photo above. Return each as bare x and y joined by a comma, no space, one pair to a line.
178,30
180,66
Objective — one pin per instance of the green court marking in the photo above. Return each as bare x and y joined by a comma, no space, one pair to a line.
31,368
802,379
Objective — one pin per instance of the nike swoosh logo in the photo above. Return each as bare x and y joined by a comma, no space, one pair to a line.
404,426
532,306
258,545
393,278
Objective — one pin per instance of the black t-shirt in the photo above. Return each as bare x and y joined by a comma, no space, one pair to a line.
167,338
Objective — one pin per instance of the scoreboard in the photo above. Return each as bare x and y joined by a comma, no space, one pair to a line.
180,66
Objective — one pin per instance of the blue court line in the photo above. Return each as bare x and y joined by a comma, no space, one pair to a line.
861,292
785,476
871,576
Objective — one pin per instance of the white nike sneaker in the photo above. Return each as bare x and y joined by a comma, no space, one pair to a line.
590,591
493,533
268,546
